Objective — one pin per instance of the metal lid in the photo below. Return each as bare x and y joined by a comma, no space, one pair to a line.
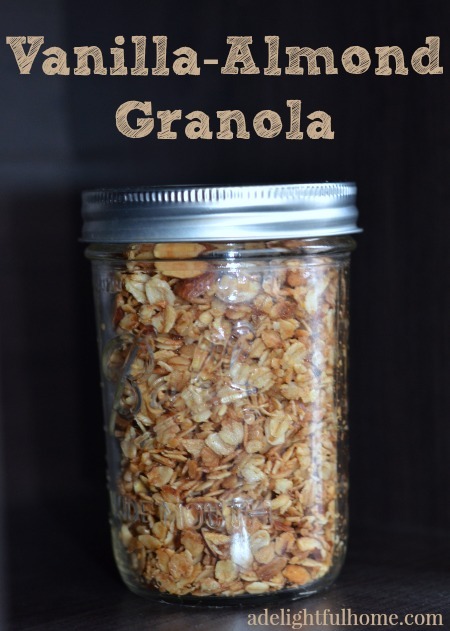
219,213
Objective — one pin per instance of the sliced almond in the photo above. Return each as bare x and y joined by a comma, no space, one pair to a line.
178,250
182,269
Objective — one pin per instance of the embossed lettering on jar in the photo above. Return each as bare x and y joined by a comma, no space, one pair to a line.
224,372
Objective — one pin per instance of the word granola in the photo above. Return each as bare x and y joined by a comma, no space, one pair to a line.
229,380
142,56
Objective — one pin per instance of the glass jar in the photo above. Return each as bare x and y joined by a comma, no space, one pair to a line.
222,320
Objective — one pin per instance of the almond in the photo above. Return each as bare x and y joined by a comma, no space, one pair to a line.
182,269
178,250
190,289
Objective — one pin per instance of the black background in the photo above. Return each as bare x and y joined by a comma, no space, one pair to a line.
392,136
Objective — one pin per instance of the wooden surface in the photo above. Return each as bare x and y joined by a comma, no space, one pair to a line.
61,577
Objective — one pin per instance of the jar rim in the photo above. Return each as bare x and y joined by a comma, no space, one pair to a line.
219,213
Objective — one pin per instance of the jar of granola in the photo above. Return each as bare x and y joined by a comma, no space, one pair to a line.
222,318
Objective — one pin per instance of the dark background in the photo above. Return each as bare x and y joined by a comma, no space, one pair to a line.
58,137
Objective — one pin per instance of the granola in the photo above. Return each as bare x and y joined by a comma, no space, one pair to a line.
228,377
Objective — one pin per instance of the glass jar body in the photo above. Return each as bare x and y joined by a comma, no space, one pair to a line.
224,383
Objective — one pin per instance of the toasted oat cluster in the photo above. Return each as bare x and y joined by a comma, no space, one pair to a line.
230,384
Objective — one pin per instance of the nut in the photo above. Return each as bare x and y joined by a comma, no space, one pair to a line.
178,250
182,269
190,289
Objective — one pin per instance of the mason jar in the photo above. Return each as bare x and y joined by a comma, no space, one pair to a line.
222,323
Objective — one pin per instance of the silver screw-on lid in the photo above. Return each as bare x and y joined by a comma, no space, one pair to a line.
219,213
